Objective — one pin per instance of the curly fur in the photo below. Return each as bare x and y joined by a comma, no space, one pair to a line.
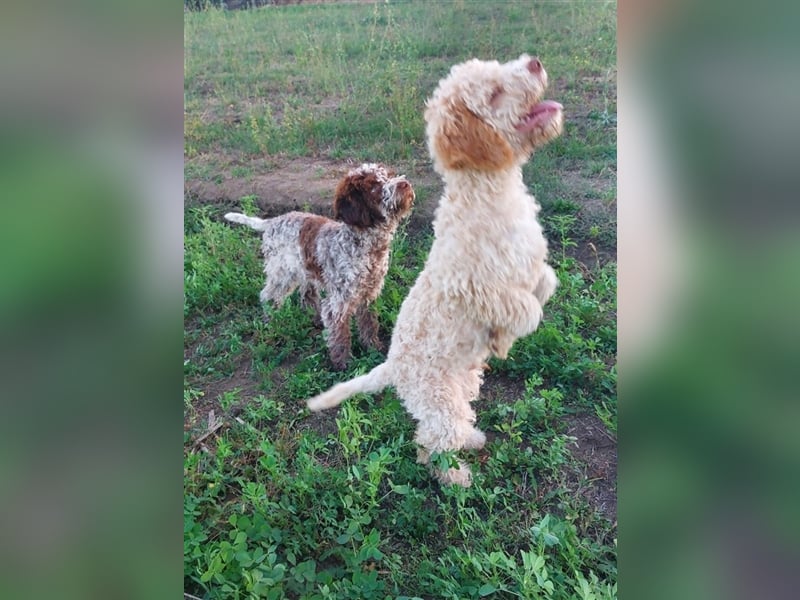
486,277
347,256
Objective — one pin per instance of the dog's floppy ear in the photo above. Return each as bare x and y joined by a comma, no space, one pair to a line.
464,141
357,201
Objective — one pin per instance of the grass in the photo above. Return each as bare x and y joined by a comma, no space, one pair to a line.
349,80
279,503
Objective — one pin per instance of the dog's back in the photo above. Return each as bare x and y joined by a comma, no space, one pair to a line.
282,247
283,235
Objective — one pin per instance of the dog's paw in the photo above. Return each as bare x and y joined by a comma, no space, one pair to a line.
339,354
476,440
500,342
339,365
373,342
546,285
461,476
498,350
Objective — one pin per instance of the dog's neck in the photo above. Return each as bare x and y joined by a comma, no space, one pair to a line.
375,235
465,187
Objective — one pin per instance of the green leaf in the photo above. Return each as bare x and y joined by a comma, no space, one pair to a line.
486,589
343,539
204,578
550,539
243,558
241,539
375,554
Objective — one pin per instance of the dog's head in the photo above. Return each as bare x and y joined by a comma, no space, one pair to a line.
372,195
488,116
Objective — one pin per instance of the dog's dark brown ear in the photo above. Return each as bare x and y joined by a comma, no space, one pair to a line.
357,201
464,141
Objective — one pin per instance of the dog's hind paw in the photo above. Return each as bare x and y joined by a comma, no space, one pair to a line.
461,476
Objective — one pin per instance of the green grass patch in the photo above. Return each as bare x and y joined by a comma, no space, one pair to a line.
350,79
292,505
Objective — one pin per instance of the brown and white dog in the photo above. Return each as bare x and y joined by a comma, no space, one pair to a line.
347,256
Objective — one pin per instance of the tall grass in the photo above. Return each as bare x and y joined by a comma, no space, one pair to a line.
344,79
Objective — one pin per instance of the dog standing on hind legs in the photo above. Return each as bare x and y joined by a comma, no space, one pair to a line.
486,277
347,256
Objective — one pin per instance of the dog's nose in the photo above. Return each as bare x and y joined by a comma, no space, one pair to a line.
535,66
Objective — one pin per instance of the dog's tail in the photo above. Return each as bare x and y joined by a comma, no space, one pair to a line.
374,381
254,222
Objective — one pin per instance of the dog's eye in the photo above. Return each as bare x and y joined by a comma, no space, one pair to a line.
496,94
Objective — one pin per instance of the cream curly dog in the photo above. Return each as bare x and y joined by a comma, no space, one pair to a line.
347,256
486,279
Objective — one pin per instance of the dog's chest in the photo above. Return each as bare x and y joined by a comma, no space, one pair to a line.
523,242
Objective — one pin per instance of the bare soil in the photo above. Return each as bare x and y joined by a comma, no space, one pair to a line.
291,184
196,418
596,449
281,185
589,193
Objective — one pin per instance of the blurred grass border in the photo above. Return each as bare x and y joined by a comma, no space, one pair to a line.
82,520
708,324
90,302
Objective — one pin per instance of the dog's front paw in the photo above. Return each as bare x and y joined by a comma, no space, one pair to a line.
546,285
340,357
375,343
339,365
500,342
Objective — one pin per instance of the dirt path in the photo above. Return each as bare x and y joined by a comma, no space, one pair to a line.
280,185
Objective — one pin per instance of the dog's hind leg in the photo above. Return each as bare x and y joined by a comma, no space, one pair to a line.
336,318
367,323
281,279
446,423
460,475
277,290
311,297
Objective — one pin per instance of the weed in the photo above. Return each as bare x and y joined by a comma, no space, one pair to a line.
561,226
219,266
